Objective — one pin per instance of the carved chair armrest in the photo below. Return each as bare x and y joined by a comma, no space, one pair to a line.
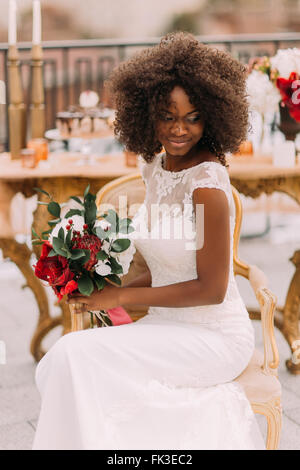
267,301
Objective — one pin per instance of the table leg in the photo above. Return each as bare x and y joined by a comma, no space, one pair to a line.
290,316
20,254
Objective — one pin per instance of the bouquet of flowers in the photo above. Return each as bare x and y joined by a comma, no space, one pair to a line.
274,80
81,253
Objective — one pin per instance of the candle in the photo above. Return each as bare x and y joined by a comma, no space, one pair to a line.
284,154
36,23
12,23
2,92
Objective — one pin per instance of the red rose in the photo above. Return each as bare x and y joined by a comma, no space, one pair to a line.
55,270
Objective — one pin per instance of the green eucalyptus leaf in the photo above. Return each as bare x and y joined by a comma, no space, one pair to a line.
101,255
85,285
115,266
61,234
54,209
53,222
99,281
120,245
75,198
72,212
114,278
77,254
86,191
34,233
69,238
52,253
39,190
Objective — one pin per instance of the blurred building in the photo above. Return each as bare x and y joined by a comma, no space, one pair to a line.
77,19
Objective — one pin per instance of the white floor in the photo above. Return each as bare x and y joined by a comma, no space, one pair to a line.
19,400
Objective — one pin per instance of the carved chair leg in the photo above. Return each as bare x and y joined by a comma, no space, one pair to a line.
273,413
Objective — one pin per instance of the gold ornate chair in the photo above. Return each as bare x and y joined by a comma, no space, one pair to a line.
259,379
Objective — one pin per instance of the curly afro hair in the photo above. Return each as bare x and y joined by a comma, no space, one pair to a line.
214,81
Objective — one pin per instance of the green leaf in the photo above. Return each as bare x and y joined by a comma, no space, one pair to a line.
47,231
86,257
85,285
42,191
120,245
52,253
101,255
59,247
61,234
53,222
86,191
69,238
34,233
37,242
77,254
99,281
115,266
72,212
54,209
75,198
114,278
90,209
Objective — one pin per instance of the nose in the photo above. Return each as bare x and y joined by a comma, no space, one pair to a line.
179,128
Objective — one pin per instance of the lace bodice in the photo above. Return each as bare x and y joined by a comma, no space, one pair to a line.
165,231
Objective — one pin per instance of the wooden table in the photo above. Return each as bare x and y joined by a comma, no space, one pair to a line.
251,176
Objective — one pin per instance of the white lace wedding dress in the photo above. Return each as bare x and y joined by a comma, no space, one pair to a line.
165,381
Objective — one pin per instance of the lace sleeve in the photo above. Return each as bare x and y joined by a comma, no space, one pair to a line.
212,176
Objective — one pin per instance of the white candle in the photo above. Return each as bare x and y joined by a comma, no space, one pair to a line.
2,92
284,154
36,22
12,22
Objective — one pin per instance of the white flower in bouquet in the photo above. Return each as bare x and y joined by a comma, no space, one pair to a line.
102,268
263,95
78,223
286,61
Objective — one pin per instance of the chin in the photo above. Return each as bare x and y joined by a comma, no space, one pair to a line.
172,150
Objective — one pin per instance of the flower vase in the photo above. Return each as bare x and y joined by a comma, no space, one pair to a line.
288,126
264,145
76,318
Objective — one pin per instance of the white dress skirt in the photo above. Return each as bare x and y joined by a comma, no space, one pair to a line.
165,381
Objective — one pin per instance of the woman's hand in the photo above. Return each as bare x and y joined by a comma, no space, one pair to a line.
108,297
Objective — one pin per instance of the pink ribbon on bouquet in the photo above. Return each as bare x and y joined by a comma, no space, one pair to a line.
119,316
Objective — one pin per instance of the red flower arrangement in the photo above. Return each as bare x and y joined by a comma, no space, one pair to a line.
82,253
290,94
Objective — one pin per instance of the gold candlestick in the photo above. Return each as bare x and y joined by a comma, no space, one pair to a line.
16,108
37,108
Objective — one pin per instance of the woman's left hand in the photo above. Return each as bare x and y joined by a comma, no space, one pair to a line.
108,297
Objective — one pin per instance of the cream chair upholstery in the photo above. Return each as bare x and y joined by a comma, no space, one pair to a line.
259,379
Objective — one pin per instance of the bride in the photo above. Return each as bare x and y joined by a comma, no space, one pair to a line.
166,380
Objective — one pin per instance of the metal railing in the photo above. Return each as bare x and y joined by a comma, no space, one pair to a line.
73,66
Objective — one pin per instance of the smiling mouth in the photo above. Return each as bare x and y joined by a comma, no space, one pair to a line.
179,143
